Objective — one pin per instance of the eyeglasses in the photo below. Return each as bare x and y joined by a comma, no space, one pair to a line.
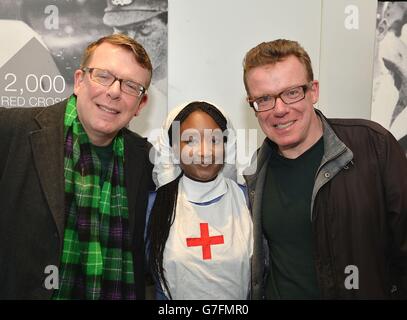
105,78
288,96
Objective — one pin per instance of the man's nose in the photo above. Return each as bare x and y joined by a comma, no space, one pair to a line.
114,91
280,106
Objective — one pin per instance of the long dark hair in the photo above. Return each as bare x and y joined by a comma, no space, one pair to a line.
163,212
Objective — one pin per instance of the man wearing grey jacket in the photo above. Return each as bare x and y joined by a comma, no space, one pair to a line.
328,196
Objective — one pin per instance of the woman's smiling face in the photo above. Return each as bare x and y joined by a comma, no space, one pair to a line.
201,147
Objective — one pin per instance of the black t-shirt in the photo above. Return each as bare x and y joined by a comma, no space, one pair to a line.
286,215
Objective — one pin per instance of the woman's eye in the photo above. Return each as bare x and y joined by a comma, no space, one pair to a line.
192,142
216,140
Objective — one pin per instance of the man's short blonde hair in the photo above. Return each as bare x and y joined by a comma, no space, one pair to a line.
127,43
273,52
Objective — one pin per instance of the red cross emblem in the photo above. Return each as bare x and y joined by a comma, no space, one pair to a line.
205,241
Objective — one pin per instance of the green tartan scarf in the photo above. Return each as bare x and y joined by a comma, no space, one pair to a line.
96,262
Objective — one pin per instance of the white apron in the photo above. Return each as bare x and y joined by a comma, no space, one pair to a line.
207,254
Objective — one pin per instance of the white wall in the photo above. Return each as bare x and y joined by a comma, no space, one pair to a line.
208,40
346,60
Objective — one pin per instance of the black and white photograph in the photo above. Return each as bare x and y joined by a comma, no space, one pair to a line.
389,95
45,40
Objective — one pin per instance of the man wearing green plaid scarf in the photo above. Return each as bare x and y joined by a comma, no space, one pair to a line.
74,184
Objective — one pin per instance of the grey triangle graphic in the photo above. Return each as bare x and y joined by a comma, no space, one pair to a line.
31,78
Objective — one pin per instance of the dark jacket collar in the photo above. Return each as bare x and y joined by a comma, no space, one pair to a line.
48,153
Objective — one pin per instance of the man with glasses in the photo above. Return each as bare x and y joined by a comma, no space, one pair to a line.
74,184
328,196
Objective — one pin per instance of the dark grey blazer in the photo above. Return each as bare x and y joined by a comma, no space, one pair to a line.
32,198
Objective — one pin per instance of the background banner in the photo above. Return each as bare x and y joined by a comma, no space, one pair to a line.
43,40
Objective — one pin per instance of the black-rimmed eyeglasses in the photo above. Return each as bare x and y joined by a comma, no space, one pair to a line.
288,96
105,78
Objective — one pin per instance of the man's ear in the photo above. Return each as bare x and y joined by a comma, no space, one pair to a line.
78,79
315,91
142,104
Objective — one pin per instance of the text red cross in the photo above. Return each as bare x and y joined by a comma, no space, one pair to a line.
205,241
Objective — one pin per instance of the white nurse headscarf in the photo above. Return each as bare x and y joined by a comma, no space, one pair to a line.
166,165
